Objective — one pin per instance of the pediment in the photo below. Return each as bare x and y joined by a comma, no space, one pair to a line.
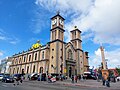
69,45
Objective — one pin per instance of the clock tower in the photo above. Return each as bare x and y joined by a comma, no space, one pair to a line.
57,44
57,27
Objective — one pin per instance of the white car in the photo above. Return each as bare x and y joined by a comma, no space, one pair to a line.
118,78
1,76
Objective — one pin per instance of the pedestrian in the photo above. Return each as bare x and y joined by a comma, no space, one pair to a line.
62,77
16,81
103,80
28,77
72,78
108,81
49,78
76,78
81,77
22,78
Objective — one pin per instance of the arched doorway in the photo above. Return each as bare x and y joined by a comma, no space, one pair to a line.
70,63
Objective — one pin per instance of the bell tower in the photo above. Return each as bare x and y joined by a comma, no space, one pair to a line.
76,38
76,41
57,44
57,27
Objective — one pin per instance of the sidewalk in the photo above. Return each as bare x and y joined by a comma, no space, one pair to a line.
84,83
90,83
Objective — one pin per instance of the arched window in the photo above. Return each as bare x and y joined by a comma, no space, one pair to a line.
29,57
14,71
24,58
17,69
16,61
36,56
43,55
20,60
41,69
70,54
27,69
33,68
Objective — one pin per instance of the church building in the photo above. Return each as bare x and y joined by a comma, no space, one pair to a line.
56,57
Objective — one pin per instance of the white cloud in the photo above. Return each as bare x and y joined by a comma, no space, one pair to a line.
100,16
1,53
8,37
97,19
111,56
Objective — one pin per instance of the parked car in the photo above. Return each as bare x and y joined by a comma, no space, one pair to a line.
17,76
88,75
118,78
34,76
1,76
7,78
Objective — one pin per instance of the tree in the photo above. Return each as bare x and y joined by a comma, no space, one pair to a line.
118,69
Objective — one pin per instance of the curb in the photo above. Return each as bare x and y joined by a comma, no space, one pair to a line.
82,85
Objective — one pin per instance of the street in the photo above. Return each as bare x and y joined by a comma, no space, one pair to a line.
40,85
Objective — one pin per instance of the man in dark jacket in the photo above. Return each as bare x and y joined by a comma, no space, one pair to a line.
108,81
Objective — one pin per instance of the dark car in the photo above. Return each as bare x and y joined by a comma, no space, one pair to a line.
17,76
88,75
34,76
7,79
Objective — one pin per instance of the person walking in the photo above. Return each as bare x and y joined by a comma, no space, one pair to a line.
72,78
49,78
76,78
103,80
22,78
108,81
18,78
28,77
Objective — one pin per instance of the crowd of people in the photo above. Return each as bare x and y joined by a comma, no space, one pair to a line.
53,78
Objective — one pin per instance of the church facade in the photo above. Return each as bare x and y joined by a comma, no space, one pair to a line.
56,57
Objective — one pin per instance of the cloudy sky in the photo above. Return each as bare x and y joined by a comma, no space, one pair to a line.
23,22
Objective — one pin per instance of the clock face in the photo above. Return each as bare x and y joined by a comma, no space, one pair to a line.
54,21
61,22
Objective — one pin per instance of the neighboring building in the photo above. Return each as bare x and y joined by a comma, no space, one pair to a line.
0,68
8,64
56,57
5,63
85,61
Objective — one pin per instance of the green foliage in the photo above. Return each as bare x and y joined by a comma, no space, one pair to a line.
118,69
111,73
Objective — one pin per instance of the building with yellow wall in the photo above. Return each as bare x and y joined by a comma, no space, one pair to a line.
56,57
